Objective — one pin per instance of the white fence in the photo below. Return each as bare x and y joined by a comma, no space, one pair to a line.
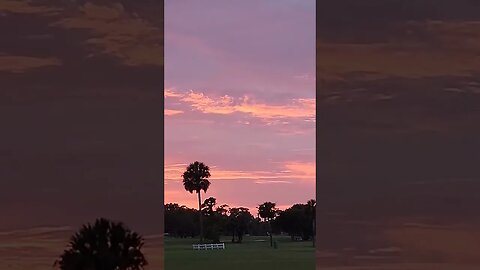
208,246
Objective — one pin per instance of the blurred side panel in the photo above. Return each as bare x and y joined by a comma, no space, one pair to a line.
398,106
81,124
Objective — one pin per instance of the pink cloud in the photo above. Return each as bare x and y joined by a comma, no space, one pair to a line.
169,92
297,108
288,170
302,168
172,112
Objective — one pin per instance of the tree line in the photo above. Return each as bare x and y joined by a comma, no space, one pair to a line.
297,221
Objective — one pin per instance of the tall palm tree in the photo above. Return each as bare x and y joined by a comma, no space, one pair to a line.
104,245
195,178
268,211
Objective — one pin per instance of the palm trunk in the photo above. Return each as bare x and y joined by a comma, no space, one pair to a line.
200,213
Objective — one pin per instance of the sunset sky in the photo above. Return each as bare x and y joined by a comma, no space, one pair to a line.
240,97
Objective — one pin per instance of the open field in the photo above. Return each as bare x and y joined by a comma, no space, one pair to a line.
252,254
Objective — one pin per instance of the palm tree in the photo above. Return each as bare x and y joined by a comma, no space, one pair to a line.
195,178
104,245
268,211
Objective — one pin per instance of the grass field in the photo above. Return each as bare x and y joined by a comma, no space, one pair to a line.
252,254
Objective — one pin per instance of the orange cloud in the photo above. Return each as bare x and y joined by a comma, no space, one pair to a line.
18,64
272,182
298,108
168,92
302,168
172,112
292,171
117,33
203,103
27,7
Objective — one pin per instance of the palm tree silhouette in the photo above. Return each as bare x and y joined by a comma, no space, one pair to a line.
268,211
104,245
195,178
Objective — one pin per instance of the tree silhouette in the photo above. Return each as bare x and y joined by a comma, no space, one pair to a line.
195,178
268,211
296,221
104,245
213,220
208,205
311,209
181,221
222,209
222,213
239,221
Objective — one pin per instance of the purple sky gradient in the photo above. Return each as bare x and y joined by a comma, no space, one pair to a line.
240,80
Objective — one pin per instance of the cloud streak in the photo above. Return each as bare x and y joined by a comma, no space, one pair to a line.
20,64
288,171
301,108
27,7
172,112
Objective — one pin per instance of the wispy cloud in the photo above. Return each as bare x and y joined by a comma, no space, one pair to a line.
171,93
306,169
303,108
27,7
272,182
172,112
19,64
287,172
305,77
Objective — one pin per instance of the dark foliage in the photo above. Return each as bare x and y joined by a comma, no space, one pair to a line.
105,245
297,221
181,221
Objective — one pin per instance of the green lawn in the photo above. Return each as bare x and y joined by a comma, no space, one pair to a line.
249,255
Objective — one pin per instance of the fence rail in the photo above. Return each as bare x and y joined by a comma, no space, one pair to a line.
208,246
